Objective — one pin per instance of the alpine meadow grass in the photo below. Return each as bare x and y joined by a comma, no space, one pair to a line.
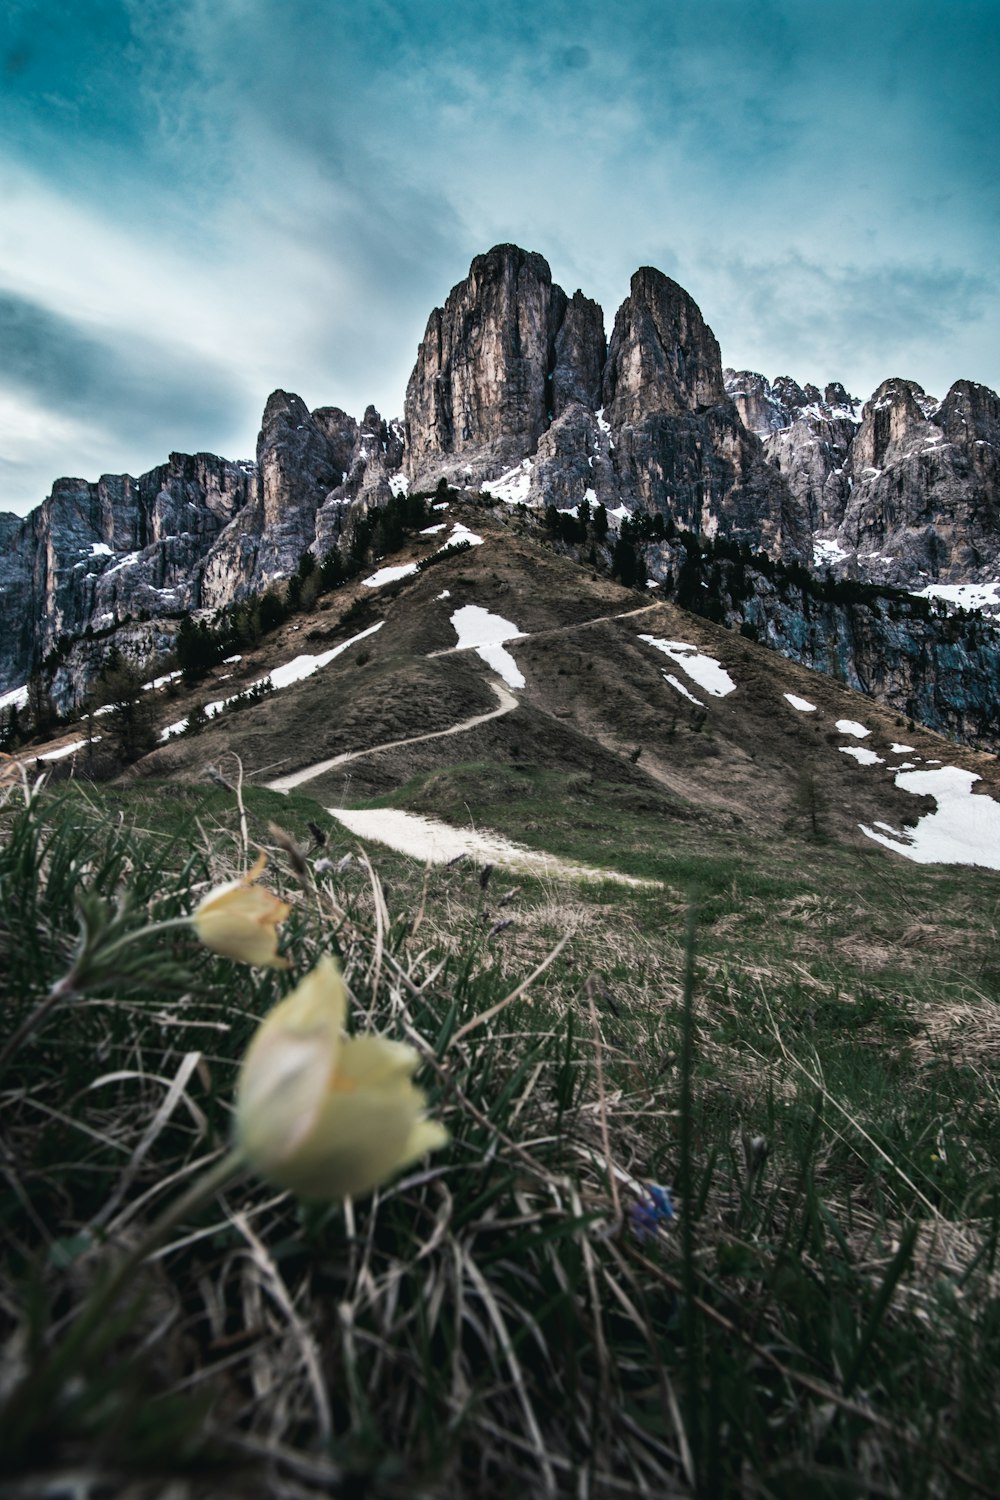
717,1213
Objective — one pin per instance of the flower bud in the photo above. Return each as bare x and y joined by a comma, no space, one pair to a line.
322,1114
240,920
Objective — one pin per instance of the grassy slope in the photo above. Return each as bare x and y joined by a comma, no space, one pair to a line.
831,1100
815,1076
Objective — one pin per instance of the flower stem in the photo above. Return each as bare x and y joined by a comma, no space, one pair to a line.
60,991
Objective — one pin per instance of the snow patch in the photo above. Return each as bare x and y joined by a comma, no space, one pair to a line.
848,726
827,552
460,533
513,487
123,562
65,750
861,755
437,843
158,682
963,830
485,633
802,704
964,595
399,484
295,670
389,575
675,682
16,698
304,666
709,674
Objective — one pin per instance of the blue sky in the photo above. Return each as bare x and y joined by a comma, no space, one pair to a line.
202,200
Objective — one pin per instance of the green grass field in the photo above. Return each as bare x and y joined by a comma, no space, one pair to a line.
798,1040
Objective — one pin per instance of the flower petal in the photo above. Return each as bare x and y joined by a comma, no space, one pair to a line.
240,921
288,1069
376,1060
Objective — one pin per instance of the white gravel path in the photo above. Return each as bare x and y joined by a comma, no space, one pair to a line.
436,843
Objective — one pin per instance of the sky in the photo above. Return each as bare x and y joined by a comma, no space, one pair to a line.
204,200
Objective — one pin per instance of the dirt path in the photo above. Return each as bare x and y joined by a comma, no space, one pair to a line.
505,699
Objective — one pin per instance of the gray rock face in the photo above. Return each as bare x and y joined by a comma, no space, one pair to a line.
679,446
505,355
760,409
313,468
195,533
903,492
663,358
808,441
93,555
925,502
572,462
580,352
767,407
298,463
937,669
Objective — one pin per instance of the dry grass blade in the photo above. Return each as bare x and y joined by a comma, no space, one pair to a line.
374,978
821,1088
602,1100
280,1295
513,1364
176,1091
494,1010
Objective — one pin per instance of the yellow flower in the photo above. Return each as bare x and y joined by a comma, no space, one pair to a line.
240,920
322,1114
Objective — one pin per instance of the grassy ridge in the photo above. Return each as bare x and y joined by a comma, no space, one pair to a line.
810,1067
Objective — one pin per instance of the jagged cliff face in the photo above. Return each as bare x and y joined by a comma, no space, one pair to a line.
96,554
679,446
513,374
806,437
925,489
903,490
197,532
936,669
663,358
504,356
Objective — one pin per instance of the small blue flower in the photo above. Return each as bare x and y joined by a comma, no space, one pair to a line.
647,1215
663,1201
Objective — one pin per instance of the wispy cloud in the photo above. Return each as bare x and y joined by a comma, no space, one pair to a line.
260,193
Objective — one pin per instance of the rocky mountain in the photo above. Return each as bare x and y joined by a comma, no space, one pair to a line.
514,660
901,490
195,533
517,394
513,391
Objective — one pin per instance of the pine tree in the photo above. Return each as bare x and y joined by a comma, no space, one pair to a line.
130,722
